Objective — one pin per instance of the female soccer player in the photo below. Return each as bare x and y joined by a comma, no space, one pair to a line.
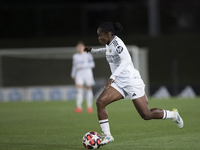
125,80
82,74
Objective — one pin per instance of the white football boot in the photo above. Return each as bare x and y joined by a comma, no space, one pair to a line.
107,139
178,119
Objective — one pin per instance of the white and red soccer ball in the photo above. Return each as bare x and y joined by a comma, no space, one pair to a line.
91,140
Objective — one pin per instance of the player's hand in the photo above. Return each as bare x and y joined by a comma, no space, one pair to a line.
87,49
108,84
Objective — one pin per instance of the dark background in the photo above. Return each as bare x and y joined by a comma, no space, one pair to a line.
174,45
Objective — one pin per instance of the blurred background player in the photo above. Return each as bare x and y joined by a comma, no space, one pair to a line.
82,75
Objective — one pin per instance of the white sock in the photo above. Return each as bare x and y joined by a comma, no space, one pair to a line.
105,126
168,114
79,97
89,97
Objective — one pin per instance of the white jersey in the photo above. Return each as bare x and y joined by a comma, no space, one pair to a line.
82,68
119,59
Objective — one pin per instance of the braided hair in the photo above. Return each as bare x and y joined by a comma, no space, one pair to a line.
111,27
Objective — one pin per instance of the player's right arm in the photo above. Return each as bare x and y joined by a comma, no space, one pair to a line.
73,72
95,51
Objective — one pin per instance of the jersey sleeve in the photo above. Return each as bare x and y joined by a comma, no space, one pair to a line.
125,58
98,51
73,72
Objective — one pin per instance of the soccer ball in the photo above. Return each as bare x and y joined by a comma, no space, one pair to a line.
91,140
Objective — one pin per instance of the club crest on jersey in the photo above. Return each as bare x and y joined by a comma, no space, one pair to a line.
110,50
119,49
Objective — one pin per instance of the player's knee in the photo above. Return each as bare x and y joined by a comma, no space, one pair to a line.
145,116
100,102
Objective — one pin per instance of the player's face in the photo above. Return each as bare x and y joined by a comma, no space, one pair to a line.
80,48
102,37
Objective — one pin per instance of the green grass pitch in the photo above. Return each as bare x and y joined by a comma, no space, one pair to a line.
54,126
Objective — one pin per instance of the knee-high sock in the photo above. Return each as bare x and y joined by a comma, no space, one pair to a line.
79,97
168,114
89,97
105,126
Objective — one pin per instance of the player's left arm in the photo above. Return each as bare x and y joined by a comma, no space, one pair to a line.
74,67
91,61
124,55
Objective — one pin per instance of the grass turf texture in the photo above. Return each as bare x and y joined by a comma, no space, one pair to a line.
54,126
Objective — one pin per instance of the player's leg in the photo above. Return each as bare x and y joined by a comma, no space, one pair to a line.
89,81
138,96
79,86
89,98
141,104
107,96
79,98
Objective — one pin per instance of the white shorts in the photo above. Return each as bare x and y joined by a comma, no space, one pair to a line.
84,76
134,91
